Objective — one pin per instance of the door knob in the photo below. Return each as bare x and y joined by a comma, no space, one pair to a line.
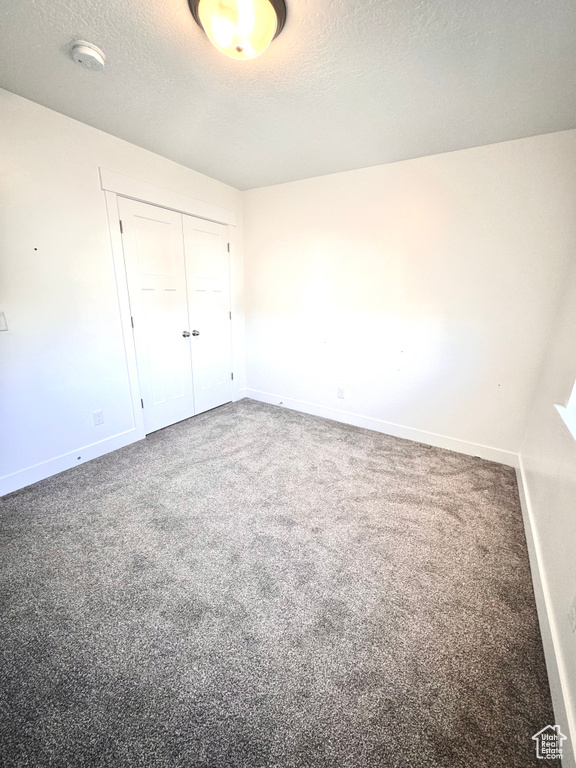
195,333
185,334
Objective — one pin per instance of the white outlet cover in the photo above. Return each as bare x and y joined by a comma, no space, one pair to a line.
98,417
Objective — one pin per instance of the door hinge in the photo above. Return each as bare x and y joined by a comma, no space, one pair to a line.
142,403
132,321
228,247
232,376
230,313
121,227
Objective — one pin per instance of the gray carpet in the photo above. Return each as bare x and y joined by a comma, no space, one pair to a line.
258,588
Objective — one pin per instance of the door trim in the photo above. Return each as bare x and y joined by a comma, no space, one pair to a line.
111,181
124,308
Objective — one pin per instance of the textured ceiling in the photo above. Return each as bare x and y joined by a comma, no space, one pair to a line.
348,83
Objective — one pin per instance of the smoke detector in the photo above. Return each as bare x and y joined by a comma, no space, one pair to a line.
88,55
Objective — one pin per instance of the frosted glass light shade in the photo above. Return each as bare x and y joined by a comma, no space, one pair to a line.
241,29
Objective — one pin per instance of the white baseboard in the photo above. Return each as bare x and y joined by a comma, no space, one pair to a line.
388,428
45,469
557,676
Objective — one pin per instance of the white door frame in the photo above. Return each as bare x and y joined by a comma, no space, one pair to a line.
114,185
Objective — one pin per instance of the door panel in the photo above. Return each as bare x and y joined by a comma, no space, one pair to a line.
208,280
154,257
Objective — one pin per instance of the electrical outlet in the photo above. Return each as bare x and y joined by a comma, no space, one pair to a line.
341,393
98,417
572,615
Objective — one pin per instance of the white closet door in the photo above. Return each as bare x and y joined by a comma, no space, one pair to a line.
154,257
208,278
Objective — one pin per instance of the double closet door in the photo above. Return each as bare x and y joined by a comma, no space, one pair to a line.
178,274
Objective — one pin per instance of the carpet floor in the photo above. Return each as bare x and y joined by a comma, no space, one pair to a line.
259,588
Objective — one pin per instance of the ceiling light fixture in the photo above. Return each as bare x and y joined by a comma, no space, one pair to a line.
241,29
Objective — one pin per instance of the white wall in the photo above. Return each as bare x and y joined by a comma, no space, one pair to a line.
63,356
426,289
548,466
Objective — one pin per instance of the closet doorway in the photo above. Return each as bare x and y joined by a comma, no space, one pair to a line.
178,275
